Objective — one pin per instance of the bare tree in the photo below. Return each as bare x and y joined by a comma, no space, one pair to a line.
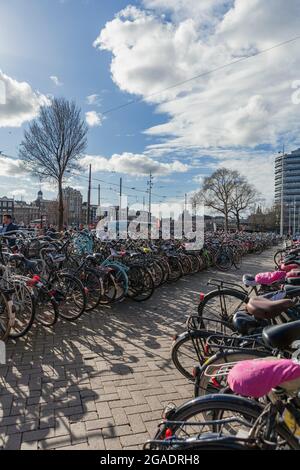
217,191
243,196
53,144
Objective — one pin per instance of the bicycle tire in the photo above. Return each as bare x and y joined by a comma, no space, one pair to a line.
214,405
78,307
187,340
5,323
216,310
17,331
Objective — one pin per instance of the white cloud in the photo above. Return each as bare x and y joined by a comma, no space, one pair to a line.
56,80
133,164
93,100
257,167
93,118
11,167
198,179
17,193
245,104
20,103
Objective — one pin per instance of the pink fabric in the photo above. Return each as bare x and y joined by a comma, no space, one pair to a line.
289,267
256,377
268,278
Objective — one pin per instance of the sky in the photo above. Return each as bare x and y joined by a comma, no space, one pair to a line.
106,54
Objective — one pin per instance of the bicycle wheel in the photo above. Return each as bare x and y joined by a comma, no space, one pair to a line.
166,268
223,260
24,308
195,263
186,264
46,308
5,317
176,269
237,259
189,350
141,284
120,282
156,272
108,288
221,304
70,295
91,283
220,407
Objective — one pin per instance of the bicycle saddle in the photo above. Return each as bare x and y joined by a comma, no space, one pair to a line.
263,308
245,323
282,336
92,258
291,290
249,280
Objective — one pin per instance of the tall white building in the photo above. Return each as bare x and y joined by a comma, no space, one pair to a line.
287,184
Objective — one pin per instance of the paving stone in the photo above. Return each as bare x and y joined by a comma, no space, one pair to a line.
78,433
113,444
55,442
103,410
120,417
95,440
14,442
37,435
134,439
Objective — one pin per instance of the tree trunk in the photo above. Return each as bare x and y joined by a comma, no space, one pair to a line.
237,215
60,206
226,220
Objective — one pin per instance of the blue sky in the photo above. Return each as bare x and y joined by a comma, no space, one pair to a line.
237,118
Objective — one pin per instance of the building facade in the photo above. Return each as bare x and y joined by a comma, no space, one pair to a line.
287,189
93,213
48,209
25,213
6,206
72,206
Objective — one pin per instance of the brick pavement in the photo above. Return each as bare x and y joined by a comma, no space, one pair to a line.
102,382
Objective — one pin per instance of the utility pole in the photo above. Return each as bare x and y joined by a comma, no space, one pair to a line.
88,212
119,210
294,230
281,205
99,195
120,205
150,185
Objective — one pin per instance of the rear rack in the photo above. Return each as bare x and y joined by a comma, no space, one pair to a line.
223,369
235,343
220,283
